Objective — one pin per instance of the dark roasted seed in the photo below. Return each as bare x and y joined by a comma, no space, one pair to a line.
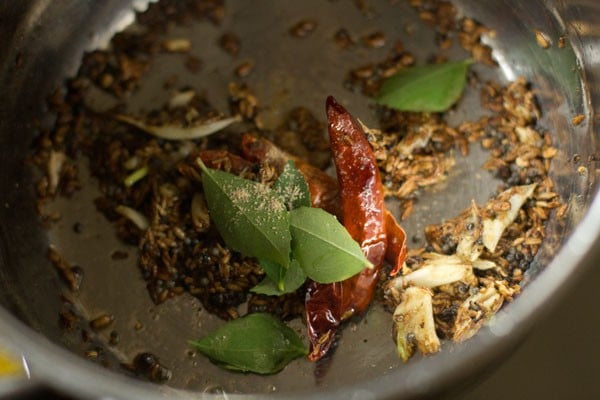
230,43
303,28
101,322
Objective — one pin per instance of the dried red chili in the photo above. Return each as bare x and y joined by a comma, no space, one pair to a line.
363,213
364,216
396,245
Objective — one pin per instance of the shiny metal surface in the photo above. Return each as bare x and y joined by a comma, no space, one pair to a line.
42,42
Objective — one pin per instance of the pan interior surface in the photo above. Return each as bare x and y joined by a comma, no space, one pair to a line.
287,72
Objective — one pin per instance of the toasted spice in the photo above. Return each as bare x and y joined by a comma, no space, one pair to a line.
101,322
542,39
303,28
72,276
244,69
343,39
374,40
180,45
519,155
148,365
230,43
442,17
578,119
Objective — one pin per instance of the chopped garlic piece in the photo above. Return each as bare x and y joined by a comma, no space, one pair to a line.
528,135
134,216
469,247
437,270
475,311
414,325
415,140
412,291
181,99
55,165
483,265
493,228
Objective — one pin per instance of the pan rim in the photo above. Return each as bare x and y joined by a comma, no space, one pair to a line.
546,289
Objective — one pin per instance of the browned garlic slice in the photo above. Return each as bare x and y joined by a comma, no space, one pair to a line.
436,270
413,140
413,318
414,326
528,135
475,311
493,228
470,247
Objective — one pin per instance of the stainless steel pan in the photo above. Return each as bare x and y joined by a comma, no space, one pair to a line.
41,45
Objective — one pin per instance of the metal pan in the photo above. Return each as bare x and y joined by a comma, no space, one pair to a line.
42,44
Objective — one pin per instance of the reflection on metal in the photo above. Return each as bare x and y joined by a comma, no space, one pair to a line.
121,20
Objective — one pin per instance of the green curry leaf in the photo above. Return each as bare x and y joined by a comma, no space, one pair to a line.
292,187
256,343
428,88
274,271
251,218
324,247
280,281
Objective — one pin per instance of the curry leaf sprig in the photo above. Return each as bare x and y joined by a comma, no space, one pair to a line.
292,241
276,225
426,88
